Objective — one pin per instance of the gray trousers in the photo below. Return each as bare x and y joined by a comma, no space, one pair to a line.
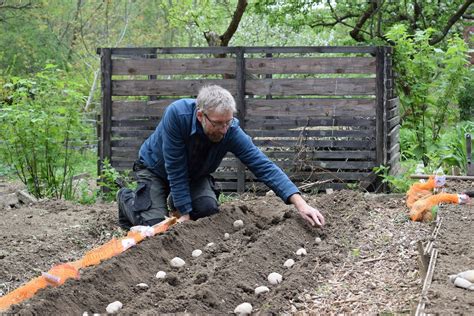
151,201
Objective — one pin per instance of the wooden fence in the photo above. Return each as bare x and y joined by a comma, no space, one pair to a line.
325,115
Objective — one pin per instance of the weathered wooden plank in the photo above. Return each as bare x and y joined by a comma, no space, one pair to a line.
307,65
395,169
272,123
308,176
129,142
395,149
126,152
129,109
241,110
342,154
130,158
141,123
141,134
394,136
393,112
168,66
125,51
393,103
313,106
312,49
393,122
362,133
394,160
121,165
260,187
105,67
327,165
227,186
167,87
321,86
230,163
362,144
381,107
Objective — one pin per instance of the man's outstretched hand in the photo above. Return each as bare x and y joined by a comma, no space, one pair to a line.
309,213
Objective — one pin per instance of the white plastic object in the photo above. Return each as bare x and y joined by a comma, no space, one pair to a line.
317,240
145,231
128,243
467,275
463,198
463,283
226,236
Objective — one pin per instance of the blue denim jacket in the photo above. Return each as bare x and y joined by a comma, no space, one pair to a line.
168,154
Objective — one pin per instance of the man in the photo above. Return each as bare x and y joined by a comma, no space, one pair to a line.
187,146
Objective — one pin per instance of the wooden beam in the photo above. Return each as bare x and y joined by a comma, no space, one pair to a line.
106,70
241,111
426,176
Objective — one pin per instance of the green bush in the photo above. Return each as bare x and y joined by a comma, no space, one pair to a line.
43,131
466,100
110,178
429,80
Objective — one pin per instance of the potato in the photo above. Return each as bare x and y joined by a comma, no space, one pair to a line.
243,309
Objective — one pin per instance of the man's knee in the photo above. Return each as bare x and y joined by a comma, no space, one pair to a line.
204,206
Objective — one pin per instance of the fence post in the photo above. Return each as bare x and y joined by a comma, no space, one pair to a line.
106,117
380,112
240,81
152,77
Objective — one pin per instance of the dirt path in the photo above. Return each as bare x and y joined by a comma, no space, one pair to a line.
366,261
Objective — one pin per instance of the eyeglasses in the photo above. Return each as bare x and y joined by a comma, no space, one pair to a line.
219,124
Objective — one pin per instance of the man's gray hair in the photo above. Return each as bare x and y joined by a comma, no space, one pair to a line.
215,98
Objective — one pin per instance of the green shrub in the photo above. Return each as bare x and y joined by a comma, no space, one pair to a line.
429,80
109,179
466,100
42,131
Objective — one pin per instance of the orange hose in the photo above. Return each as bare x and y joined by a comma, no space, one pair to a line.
60,273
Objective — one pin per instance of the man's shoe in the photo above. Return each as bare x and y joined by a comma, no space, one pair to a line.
123,220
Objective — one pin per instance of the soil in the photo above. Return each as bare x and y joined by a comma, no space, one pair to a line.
366,262
455,245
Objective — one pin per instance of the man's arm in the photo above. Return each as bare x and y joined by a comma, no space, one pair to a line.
311,214
175,160
268,172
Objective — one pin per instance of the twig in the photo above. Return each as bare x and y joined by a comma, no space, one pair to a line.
375,259
309,185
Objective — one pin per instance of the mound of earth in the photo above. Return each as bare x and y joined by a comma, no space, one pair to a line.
366,262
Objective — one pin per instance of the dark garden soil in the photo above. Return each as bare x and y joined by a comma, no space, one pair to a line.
455,245
366,262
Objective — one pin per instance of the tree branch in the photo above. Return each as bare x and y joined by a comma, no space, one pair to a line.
234,24
15,7
456,16
355,33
